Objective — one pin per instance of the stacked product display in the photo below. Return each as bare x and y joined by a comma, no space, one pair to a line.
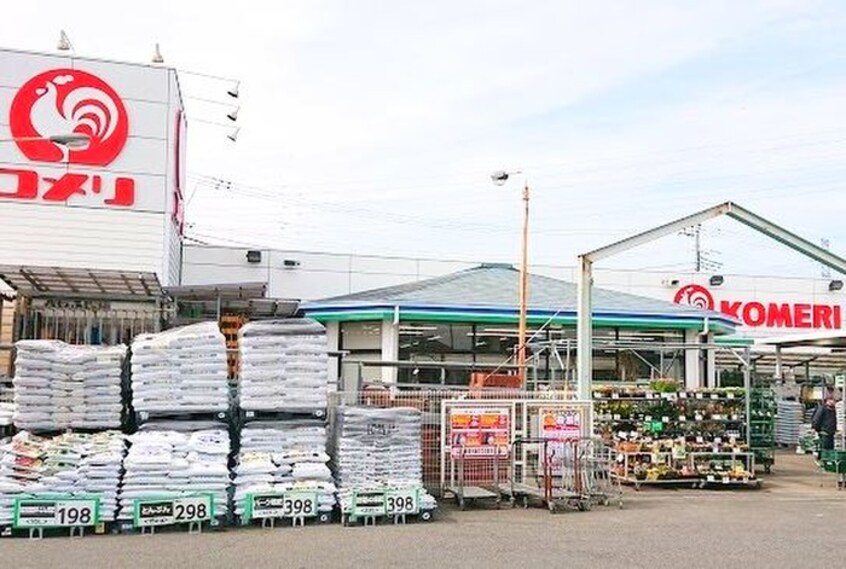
762,430
7,412
283,456
68,464
788,422
284,366
58,386
165,463
696,437
377,449
180,371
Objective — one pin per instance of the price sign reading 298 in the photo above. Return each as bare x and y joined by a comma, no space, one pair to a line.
168,511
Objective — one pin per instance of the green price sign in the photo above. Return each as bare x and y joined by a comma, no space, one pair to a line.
169,511
56,511
297,504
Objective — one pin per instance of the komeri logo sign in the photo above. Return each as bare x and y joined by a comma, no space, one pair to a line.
768,314
63,103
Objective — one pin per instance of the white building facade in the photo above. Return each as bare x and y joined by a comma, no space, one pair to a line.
92,164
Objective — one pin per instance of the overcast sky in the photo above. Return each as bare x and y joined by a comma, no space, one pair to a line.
372,127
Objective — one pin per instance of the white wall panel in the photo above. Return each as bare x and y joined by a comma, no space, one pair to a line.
81,238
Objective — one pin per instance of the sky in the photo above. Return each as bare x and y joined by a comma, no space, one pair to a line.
373,127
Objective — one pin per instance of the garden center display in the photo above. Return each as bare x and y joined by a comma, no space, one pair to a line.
696,437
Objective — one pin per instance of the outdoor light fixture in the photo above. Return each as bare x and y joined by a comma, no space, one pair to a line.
233,136
290,263
64,42
157,55
835,285
500,177
233,116
670,283
716,280
233,92
253,256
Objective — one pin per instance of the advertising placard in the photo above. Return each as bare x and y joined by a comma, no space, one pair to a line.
479,432
559,426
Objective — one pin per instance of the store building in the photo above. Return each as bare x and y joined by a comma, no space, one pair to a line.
470,318
764,306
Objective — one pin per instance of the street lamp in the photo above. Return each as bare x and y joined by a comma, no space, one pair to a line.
500,178
72,140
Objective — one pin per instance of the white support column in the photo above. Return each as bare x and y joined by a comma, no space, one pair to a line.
712,363
692,369
333,333
584,329
390,348
779,371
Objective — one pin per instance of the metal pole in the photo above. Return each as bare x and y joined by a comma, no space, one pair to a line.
524,288
584,329
747,388
778,364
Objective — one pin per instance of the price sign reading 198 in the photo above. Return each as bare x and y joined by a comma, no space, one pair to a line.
37,512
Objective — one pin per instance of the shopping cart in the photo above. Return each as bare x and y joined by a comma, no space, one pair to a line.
533,479
474,479
599,460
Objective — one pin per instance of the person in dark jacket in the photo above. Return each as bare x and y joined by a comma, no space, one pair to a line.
824,423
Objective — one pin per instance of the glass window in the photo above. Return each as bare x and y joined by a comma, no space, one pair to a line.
357,336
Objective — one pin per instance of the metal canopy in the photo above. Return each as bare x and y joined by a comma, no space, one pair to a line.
61,282
833,339
237,291
731,209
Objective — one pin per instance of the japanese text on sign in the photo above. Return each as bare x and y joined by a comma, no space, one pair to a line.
479,432
60,512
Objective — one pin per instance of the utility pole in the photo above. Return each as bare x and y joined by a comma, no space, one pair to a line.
697,230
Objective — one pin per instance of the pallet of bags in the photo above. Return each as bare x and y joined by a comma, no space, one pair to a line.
377,449
283,456
284,366
182,370
21,468
167,463
71,463
59,386
7,412
788,422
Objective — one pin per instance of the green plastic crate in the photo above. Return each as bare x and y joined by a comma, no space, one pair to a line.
833,460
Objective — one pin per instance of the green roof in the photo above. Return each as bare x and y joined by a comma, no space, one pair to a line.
489,293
